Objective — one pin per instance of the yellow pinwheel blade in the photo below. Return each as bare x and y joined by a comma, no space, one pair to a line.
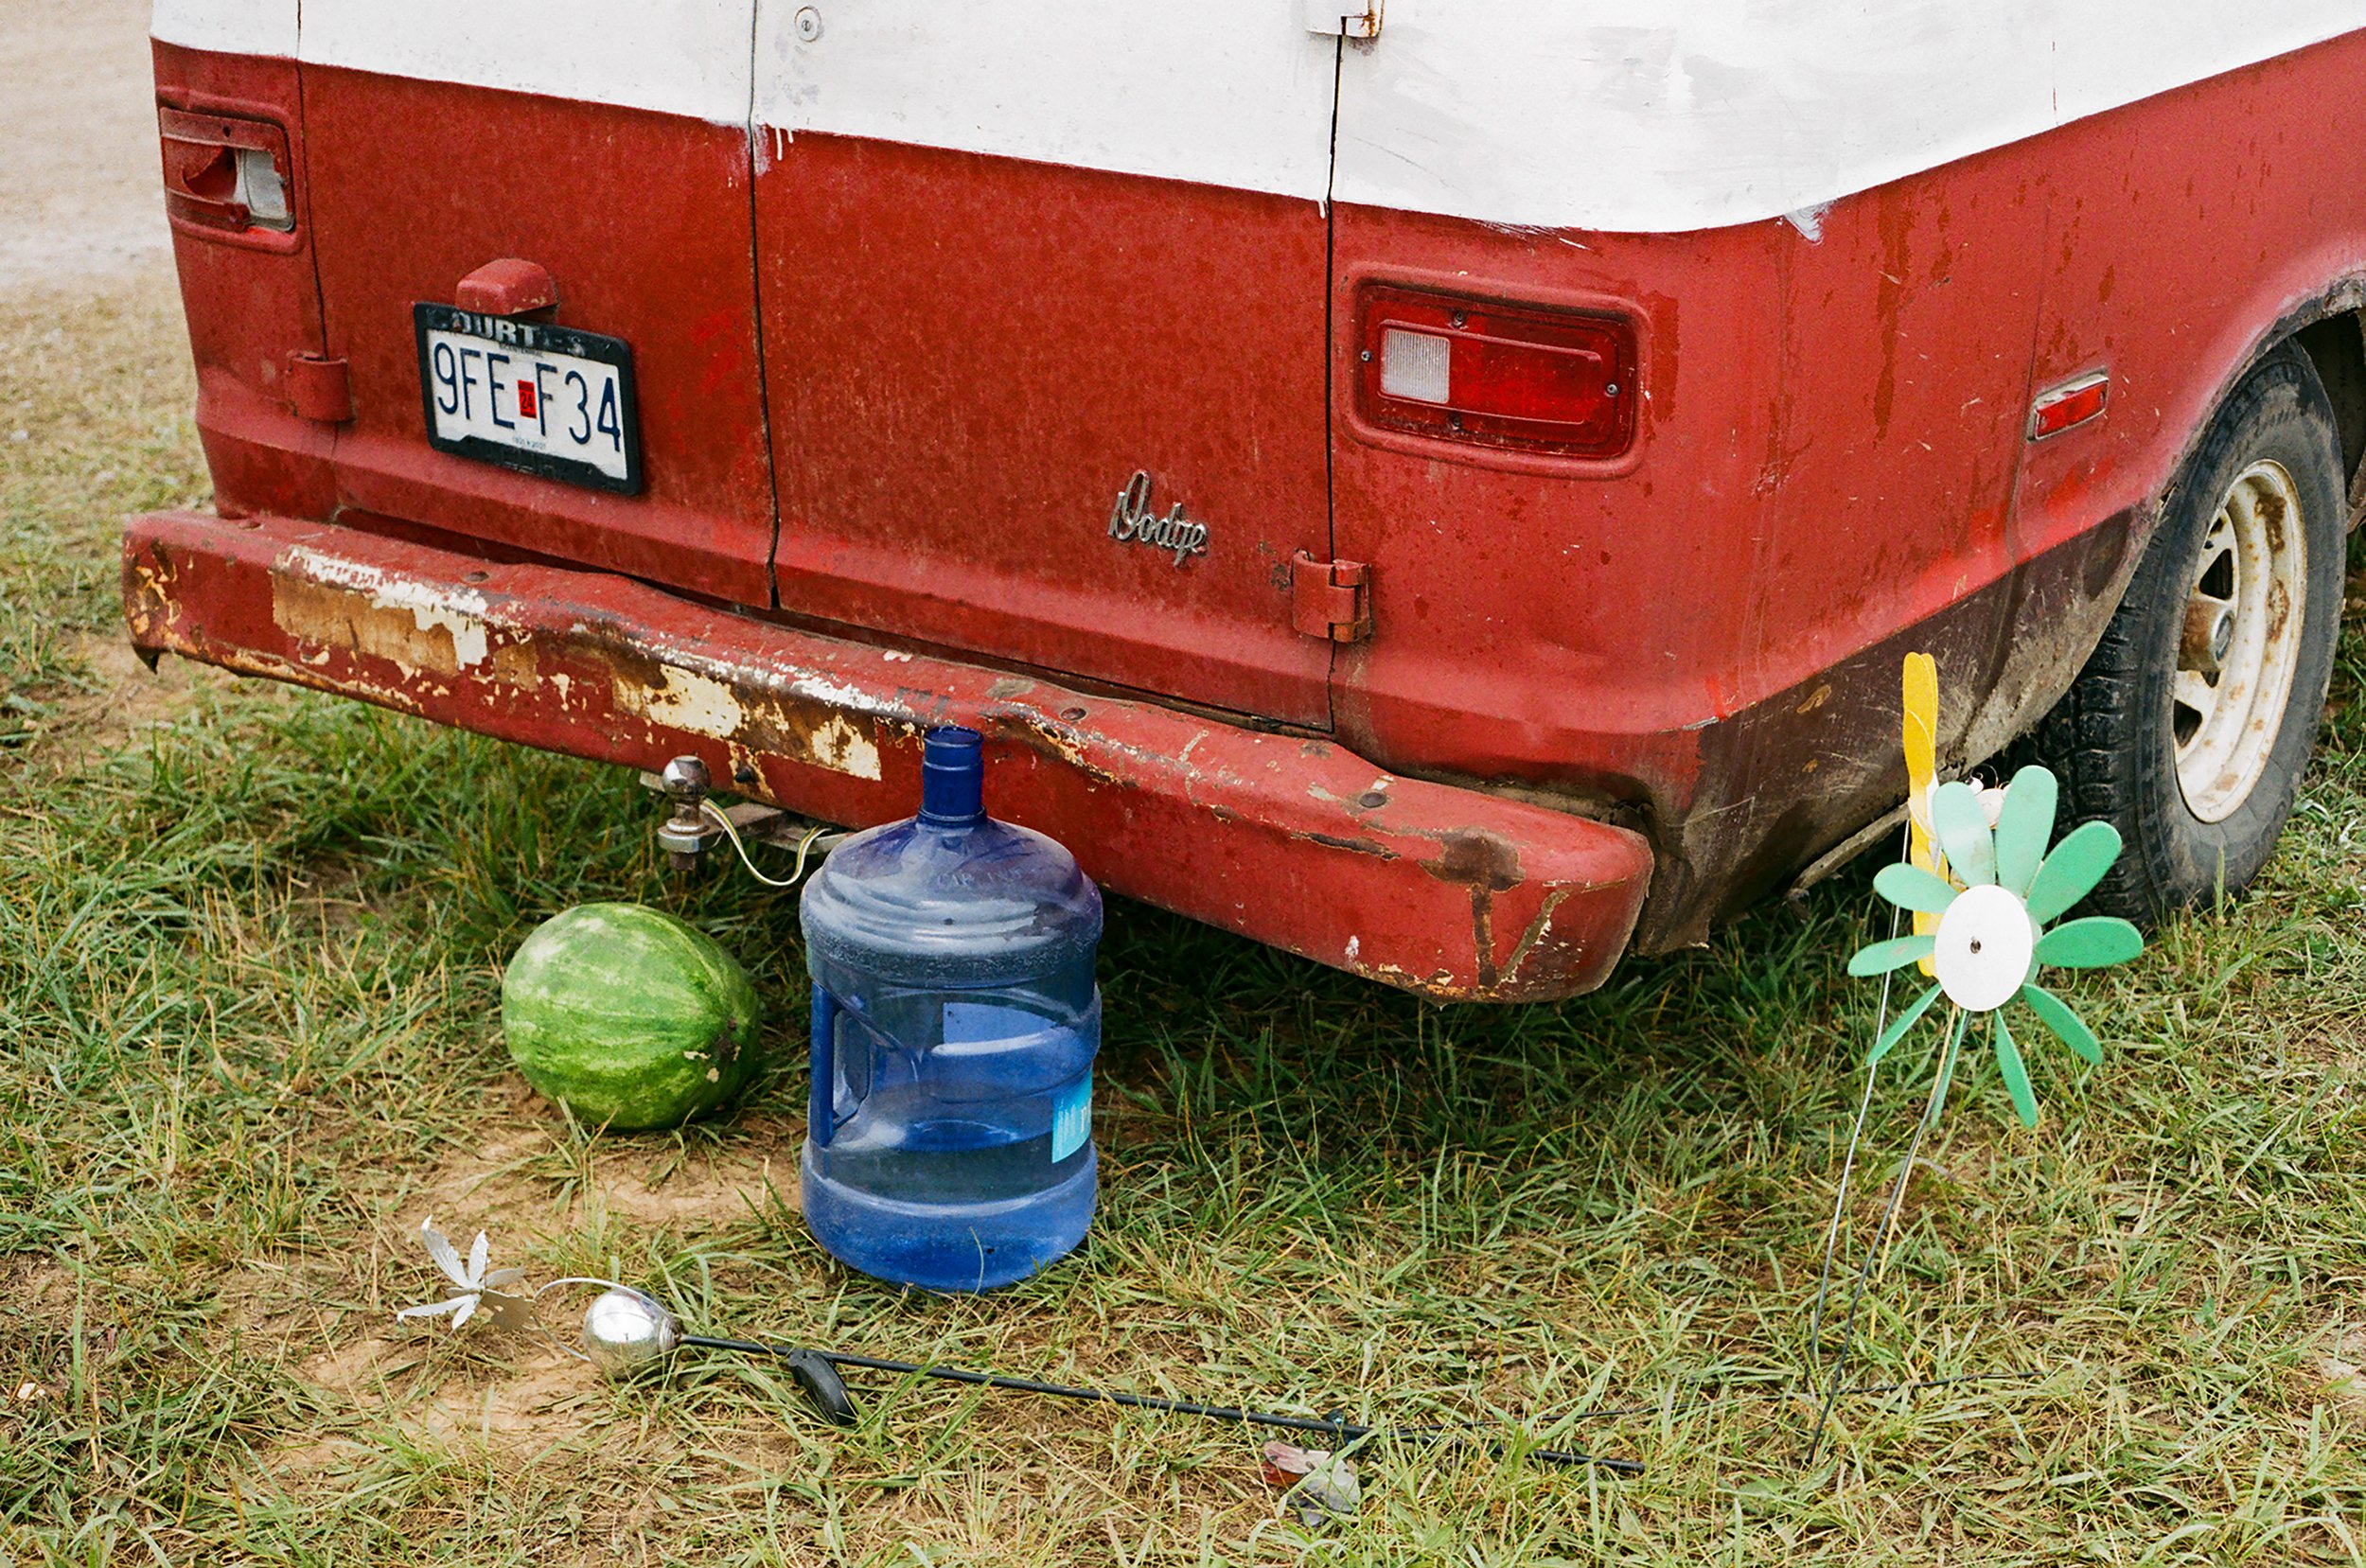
1921,682
1923,722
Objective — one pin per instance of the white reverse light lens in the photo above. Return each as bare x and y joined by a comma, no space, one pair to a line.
1413,365
263,191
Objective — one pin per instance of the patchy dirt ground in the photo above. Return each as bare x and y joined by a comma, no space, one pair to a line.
79,192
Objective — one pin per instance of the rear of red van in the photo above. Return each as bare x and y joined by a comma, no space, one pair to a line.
889,415
1443,491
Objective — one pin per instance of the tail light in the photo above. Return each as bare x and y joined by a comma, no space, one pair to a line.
1504,376
227,174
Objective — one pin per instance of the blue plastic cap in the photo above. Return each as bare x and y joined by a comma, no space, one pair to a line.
953,776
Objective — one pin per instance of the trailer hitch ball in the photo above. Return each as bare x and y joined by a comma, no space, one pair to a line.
683,835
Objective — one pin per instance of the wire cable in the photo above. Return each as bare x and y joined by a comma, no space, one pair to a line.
804,847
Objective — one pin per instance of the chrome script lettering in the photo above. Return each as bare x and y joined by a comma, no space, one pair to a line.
1134,520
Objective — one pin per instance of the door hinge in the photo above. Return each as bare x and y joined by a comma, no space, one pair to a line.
1332,600
319,388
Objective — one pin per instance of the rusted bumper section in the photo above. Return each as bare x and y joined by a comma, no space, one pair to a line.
1293,841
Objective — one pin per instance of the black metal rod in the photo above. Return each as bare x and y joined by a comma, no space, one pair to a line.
1346,1431
1749,1394
1880,1243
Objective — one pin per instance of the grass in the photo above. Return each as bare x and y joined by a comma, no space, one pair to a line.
250,946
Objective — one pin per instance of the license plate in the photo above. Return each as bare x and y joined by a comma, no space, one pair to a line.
548,400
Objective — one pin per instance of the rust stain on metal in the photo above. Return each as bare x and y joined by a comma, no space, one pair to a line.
514,664
813,734
395,694
743,716
1535,940
1487,866
1059,743
1476,858
1356,846
330,616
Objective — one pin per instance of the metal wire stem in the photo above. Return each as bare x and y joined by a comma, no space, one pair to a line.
1889,1217
1856,1136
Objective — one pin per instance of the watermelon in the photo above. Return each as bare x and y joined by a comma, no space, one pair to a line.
629,1017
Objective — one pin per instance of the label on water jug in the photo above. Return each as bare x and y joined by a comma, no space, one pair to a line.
983,1023
1071,1119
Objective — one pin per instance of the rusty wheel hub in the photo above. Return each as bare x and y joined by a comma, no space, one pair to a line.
2240,643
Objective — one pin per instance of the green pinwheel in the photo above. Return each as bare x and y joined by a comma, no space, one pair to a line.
1999,888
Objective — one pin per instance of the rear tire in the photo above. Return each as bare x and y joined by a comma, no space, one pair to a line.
2191,725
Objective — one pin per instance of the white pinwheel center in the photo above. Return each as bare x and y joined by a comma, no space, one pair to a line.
1985,943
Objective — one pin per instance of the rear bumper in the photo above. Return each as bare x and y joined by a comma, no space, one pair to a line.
1293,841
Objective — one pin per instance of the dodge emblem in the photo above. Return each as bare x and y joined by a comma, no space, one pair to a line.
1133,520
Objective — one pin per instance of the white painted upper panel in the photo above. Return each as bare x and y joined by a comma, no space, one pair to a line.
1665,115
676,57
1221,92
232,26
1612,114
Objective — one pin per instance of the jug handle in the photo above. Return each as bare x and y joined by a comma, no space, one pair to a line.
822,1103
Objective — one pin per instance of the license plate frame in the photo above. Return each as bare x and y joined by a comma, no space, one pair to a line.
607,458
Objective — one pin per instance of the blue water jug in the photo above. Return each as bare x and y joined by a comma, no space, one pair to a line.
954,1018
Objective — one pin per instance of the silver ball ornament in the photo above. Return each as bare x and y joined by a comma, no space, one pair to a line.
626,1332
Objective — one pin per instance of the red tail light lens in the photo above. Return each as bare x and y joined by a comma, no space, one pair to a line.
225,173
1503,376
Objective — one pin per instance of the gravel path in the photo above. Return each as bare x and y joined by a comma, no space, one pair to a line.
79,196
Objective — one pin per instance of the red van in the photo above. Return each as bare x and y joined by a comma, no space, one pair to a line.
1444,491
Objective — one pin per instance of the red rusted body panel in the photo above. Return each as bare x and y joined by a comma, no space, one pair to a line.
1835,466
1832,468
939,368
959,395
251,304
642,223
1292,840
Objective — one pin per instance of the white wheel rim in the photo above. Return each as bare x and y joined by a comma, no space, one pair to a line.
2241,641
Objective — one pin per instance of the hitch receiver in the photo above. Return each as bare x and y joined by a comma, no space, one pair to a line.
690,829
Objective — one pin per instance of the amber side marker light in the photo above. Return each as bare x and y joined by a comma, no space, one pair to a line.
227,173
1513,376
2072,403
